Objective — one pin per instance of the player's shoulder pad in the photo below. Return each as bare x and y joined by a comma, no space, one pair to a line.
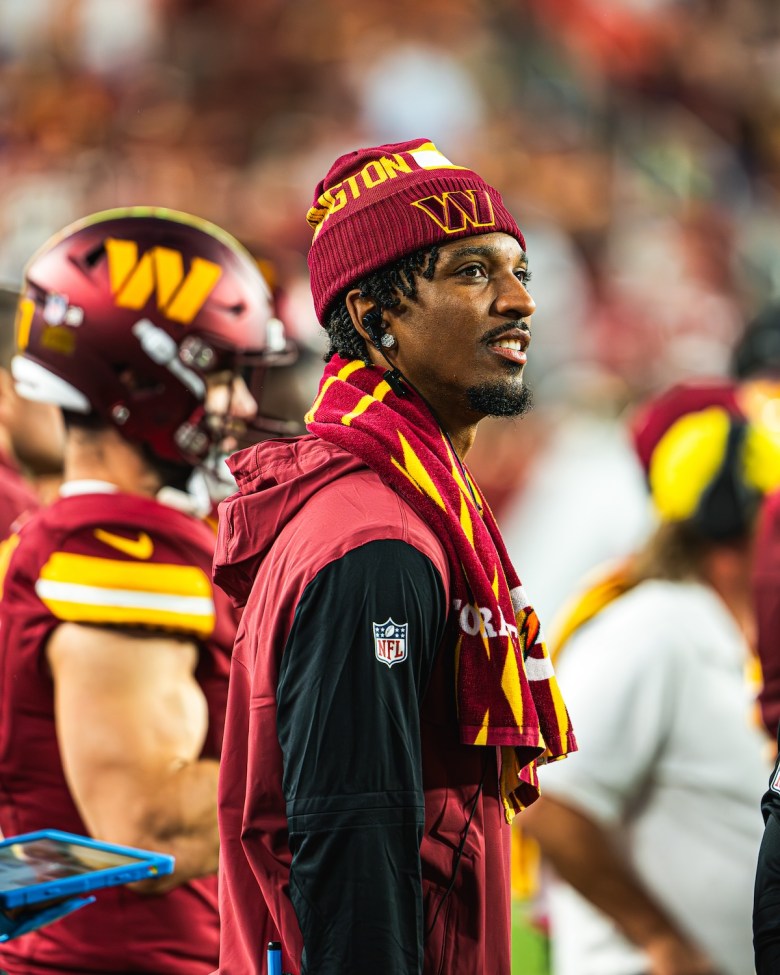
129,565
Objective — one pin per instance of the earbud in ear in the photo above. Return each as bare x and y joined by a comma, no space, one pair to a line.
372,322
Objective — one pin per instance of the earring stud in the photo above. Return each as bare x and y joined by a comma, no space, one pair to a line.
387,340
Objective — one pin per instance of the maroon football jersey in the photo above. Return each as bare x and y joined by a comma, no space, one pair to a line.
108,559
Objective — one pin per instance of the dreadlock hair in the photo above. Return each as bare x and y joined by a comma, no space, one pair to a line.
387,287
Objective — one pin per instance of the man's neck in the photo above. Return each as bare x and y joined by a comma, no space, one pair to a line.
104,456
462,439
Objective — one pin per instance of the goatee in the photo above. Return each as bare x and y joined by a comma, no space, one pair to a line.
500,399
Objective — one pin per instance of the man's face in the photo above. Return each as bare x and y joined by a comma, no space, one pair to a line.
463,341
229,406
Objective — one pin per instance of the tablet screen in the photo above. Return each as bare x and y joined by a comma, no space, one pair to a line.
44,860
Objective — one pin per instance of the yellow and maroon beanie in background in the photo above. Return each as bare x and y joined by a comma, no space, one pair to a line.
706,463
377,205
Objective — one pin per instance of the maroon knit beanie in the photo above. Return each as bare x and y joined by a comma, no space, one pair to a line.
653,418
377,205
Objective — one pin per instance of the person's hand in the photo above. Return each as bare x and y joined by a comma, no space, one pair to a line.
671,955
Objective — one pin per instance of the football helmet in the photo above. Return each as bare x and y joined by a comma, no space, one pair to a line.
127,312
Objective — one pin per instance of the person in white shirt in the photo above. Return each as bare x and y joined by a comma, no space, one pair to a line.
653,831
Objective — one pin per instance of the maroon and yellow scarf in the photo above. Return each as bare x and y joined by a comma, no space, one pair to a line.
506,692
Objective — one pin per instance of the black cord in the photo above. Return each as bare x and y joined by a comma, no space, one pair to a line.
459,851
395,379
458,461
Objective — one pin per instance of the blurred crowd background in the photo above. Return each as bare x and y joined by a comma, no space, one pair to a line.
637,142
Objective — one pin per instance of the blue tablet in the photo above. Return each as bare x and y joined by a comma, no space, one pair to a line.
50,864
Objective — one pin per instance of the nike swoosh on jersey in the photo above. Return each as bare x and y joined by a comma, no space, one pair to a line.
137,548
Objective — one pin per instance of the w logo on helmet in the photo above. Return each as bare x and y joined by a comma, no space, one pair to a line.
159,271
455,210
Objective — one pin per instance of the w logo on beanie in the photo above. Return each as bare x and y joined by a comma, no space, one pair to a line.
455,210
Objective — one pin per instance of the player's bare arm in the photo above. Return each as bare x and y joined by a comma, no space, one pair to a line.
583,855
138,780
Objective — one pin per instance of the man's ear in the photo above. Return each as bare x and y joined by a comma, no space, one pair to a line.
358,306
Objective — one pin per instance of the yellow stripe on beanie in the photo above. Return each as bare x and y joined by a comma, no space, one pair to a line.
686,461
761,459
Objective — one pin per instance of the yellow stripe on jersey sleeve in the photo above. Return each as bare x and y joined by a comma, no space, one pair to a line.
86,589
7,549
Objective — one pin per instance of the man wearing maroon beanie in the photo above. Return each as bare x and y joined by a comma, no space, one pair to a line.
391,693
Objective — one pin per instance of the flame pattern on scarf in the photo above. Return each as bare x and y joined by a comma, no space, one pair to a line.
506,691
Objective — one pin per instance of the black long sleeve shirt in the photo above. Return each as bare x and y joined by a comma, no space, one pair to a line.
352,679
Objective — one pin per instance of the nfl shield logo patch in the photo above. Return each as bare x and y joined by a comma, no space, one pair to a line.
390,642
